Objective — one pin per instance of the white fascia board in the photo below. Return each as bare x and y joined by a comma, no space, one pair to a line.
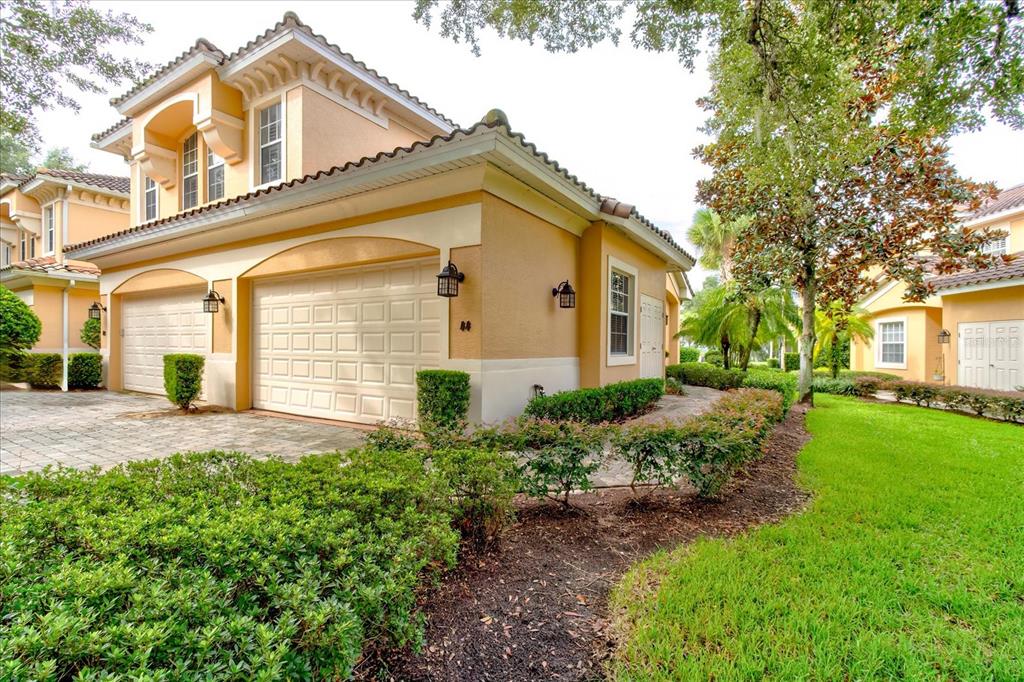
983,286
114,137
647,238
179,75
579,200
61,183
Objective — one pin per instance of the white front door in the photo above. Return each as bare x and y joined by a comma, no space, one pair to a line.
652,337
153,326
991,354
346,344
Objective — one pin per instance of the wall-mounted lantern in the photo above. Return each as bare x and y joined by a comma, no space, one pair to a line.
944,336
212,301
566,295
96,310
448,281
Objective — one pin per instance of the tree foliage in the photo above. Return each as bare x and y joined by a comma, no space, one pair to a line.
15,155
835,328
49,44
60,158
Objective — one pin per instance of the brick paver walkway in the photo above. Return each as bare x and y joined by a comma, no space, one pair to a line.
104,428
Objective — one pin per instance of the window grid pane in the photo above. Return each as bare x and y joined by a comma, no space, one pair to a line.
892,340
270,143
619,327
214,176
190,172
50,230
995,247
150,199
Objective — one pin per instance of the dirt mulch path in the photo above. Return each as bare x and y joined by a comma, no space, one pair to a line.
536,606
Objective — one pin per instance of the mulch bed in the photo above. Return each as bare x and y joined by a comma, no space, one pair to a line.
535,607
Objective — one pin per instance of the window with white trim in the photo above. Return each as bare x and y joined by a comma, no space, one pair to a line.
31,247
190,172
995,247
51,230
270,143
23,247
214,176
151,197
5,255
892,343
620,313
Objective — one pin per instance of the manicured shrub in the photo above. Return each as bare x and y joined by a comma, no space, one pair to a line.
216,566
653,452
47,370
704,374
483,484
853,374
867,386
90,333
443,397
85,370
183,378
19,331
834,386
781,382
1005,405
714,357
393,437
611,403
921,394
689,354
792,361
674,386
772,362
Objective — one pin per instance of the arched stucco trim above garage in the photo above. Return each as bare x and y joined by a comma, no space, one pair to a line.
157,280
338,252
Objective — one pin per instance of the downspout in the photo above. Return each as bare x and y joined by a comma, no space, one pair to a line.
64,363
65,312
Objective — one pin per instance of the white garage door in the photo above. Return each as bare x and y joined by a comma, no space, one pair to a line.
157,325
346,344
991,354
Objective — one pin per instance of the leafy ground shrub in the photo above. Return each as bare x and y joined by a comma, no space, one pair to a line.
834,386
19,331
90,334
611,403
921,394
183,378
1007,405
689,354
704,374
674,386
653,451
781,382
772,362
443,398
792,361
483,484
215,566
714,357
853,374
46,370
392,437
85,370
867,386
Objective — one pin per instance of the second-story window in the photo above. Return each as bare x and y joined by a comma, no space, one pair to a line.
214,176
270,143
51,230
190,172
23,247
151,199
995,247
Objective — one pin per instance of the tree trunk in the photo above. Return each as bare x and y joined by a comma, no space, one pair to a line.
808,292
725,351
754,324
782,355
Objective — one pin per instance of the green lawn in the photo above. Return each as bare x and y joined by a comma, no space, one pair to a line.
909,564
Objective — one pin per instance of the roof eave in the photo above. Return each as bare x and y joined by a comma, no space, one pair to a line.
41,179
968,288
188,70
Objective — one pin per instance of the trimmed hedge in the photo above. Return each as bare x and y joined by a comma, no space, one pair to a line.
689,354
782,383
1005,405
792,361
611,403
85,370
183,378
46,370
773,363
216,566
834,386
705,374
443,398
714,357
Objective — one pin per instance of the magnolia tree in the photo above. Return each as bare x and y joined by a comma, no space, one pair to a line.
829,121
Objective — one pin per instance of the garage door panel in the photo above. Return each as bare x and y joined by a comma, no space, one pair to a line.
352,344
155,326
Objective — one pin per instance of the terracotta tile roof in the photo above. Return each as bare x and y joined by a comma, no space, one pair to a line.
201,46
114,128
1013,268
111,183
14,177
494,120
49,264
1004,201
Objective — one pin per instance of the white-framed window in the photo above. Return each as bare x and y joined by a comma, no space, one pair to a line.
995,247
151,197
891,342
190,172
623,299
23,246
270,143
50,230
214,176
5,254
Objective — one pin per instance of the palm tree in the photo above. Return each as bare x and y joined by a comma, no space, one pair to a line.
834,328
714,237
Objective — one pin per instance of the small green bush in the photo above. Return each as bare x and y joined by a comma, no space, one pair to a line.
85,370
704,374
90,333
19,331
443,397
834,386
46,370
652,450
781,382
483,484
867,386
792,361
714,357
921,394
689,354
392,437
611,403
772,362
183,378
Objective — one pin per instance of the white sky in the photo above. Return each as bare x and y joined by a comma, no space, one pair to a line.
623,120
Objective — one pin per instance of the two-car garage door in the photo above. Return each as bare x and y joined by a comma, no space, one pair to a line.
346,344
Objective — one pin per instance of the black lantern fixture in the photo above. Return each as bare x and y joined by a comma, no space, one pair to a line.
448,281
212,301
566,295
944,336
95,310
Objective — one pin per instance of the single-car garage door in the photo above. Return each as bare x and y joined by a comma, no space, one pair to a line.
155,326
346,344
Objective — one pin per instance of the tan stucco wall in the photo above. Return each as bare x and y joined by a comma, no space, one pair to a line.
924,353
48,305
159,280
221,327
468,305
981,306
329,253
524,257
90,222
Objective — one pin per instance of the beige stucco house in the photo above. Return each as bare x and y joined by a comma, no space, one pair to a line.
41,213
317,203
971,331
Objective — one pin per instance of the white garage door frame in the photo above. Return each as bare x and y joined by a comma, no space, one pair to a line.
991,354
153,325
346,344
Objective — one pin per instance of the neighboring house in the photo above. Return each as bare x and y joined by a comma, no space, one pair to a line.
971,331
39,214
318,204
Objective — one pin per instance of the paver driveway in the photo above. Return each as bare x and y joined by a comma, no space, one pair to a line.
82,429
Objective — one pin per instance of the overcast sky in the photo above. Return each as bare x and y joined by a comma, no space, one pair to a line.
623,120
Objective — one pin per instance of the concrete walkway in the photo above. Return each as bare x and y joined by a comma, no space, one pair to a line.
104,428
